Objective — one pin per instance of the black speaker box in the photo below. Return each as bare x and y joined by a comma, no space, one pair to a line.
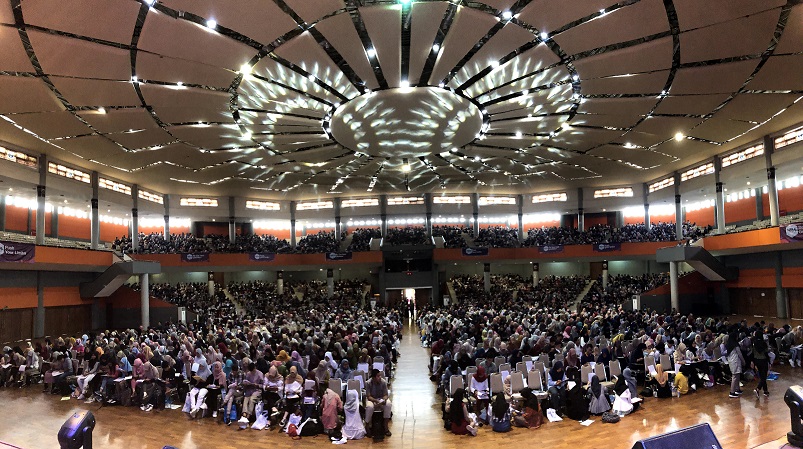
695,437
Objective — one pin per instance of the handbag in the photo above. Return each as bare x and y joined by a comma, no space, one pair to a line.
609,417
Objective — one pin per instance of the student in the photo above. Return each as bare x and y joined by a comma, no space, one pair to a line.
376,391
458,414
481,390
681,382
533,414
330,405
353,429
598,397
556,381
661,382
760,361
500,414
735,363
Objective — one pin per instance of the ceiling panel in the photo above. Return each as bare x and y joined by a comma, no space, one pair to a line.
12,54
119,120
690,104
779,73
80,92
549,15
339,31
26,95
651,56
314,11
72,57
383,24
718,78
506,41
650,83
642,158
467,28
695,14
91,18
425,19
142,138
52,124
720,129
744,36
304,52
171,70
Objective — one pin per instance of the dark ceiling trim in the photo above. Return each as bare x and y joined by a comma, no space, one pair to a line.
352,7
440,36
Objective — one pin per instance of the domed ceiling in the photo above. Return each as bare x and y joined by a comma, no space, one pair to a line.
302,98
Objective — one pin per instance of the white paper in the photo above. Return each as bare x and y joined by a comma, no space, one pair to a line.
635,400
587,422
362,367
309,400
529,365
22,368
571,384
5,366
195,367
505,375
651,369
677,367
592,365
379,365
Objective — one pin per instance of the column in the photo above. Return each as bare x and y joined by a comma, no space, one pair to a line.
210,283
39,319
520,216
280,282
769,148
2,212
645,193
780,293
581,219
535,274
166,200
720,199
54,223
475,212
428,216
338,228
94,221
135,219
678,210
486,276
144,298
330,282
759,204
293,224
383,214
673,286
232,224
604,274
40,201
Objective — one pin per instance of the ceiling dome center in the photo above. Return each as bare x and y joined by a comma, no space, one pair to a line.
406,122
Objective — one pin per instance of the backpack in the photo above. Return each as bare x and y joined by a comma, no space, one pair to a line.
310,427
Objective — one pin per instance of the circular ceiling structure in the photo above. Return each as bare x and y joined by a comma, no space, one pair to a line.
304,99
406,122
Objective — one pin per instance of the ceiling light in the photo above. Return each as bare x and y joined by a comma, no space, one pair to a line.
544,36
405,167
679,136
245,69
507,15
150,2
247,135
405,2
179,84
575,78
476,158
436,47
518,134
454,150
371,52
102,110
494,64
748,182
441,85
404,84
565,125
134,79
311,78
211,24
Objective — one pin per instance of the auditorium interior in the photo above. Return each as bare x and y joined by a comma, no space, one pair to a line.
504,175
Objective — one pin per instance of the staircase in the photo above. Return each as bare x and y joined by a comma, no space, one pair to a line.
582,295
452,293
238,307
469,239
699,259
344,244
115,276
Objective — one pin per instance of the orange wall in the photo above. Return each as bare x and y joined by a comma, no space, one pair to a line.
741,210
702,217
74,227
27,297
791,200
110,231
17,219
545,224
281,260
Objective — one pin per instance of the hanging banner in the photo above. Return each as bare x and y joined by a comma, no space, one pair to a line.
550,249
261,257
17,252
338,256
791,233
605,247
475,251
195,257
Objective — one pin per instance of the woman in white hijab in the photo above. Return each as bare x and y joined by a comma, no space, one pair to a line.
353,429
330,361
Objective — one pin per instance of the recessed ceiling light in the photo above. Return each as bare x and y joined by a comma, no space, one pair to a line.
441,85
476,158
245,69
565,125
436,47
575,78
150,2
454,150
679,136
211,24
748,182
507,15
101,110
544,35
370,52
404,84
494,64
179,84
311,78
405,168
518,134
134,79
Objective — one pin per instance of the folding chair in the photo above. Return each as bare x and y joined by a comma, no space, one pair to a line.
666,362
361,374
599,370
527,358
469,378
558,358
540,366
499,360
585,370
521,367
336,385
480,362
471,370
781,355
504,367
354,384
516,382
534,380
455,383
497,385
615,368
544,358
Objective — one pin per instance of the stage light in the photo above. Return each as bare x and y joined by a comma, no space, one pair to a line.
76,432
436,47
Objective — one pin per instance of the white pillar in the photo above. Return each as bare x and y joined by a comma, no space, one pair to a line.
94,223
330,283
280,282
535,274
40,201
144,297
605,275
720,198
210,284
486,277
673,285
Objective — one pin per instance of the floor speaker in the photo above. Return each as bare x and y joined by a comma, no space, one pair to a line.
695,437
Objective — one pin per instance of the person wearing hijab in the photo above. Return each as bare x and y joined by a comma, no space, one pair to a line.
572,361
322,376
283,357
148,387
202,370
136,374
330,405
252,390
195,398
500,414
533,415
662,385
353,429
274,388
760,361
330,363
293,386
234,390
598,396
458,414
735,363
344,373
480,388
556,381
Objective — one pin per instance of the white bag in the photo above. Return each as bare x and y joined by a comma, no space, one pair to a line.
622,404
261,421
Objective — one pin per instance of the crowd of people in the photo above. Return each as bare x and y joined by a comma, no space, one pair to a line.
497,237
631,233
620,289
361,239
256,297
452,235
408,235
266,369
320,242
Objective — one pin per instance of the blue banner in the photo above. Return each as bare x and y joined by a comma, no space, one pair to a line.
195,257
261,257
550,249
17,252
605,247
475,251
792,232
338,256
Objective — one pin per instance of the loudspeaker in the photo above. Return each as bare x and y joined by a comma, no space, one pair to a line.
695,437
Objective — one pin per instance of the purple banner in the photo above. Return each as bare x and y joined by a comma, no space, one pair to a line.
550,249
475,251
338,256
195,257
791,233
261,257
17,252
605,247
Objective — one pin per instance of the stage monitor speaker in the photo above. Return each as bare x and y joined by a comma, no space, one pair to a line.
695,437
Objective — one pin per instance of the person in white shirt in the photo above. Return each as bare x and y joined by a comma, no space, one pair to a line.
481,390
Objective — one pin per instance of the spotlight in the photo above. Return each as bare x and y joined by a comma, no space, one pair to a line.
405,166
404,84
371,52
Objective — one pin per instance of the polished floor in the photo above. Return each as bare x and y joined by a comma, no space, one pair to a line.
31,420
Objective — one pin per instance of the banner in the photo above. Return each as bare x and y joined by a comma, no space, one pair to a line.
550,249
791,233
338,256
475,251
261,257
17,252
605,247
195,257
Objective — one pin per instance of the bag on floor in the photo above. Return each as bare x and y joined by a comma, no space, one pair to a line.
261,421
310,427
609,417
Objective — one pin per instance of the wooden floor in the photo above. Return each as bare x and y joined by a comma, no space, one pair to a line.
31,420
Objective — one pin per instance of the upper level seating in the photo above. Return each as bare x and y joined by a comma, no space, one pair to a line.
452,235
409,235
361,239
